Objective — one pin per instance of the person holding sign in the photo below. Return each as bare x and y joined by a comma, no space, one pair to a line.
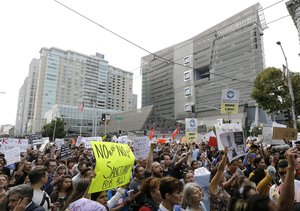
219,198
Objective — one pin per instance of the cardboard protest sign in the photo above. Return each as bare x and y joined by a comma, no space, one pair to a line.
234,141
114,163
88,141
285,133
141,147
12,156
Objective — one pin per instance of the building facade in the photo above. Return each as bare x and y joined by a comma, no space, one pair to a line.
194,72
88,122
26,100
69,78
293,7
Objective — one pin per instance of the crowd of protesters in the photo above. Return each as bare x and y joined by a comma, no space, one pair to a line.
261,180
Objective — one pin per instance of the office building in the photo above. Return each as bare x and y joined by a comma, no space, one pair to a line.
229,55
69,78
293,7
26,100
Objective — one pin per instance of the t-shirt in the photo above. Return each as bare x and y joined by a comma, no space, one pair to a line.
38,196
86,204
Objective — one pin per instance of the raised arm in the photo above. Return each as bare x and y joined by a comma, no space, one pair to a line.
287,195
214,184
150,157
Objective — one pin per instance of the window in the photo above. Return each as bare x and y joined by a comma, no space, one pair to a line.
187,60
187,91
187,75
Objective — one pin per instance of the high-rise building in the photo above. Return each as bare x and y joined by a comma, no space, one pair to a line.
194,72
69,78
26,100
293,7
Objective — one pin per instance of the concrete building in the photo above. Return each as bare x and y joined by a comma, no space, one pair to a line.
26,100
88,121
69,78
293,7
194,72
134,102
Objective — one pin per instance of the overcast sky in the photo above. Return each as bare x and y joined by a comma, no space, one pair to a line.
27,26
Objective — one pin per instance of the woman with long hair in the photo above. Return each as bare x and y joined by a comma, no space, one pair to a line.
150,189
77,200
62,190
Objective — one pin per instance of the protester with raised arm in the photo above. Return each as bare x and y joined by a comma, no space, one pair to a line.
219,198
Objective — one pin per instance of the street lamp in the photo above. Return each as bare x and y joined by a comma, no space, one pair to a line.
290,87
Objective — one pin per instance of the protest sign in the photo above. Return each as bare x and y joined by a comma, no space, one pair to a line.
202,179
65,151
11,143
88,140
191,130
123,140
12,156
141,147
226,128
59,142
234,141
113,165
285,133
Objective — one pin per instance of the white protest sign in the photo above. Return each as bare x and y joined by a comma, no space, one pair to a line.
12,156
10,143
141,147
59,142
234,141
123,140
223,128
87,141
202,179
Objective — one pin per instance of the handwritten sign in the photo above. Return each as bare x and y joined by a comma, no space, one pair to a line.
287,133
141,147
11,143
66,151
12,156
113,165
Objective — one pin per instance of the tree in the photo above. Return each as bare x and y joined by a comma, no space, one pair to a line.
271,91
48,129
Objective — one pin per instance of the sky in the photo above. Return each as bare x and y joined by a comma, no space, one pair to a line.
27,26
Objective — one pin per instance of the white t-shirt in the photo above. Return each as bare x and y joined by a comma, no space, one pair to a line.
86,204
38,197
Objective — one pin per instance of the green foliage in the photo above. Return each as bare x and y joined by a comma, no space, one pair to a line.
48,129
270,90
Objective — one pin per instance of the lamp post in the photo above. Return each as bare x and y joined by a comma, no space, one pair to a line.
290,87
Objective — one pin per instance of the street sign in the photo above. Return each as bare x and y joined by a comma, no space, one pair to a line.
119,118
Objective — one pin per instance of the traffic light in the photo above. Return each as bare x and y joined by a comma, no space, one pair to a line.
103,117
193,108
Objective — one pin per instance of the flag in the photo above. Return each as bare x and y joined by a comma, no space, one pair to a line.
152,133
212,141
164,135
175,133
81,106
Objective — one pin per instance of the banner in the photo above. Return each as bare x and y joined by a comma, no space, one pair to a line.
141,147
11,143
65,151
234,141
59,142
114,163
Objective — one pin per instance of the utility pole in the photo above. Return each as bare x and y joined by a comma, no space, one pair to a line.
290,87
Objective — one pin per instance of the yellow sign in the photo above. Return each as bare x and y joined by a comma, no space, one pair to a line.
191,137
113,165
229,108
